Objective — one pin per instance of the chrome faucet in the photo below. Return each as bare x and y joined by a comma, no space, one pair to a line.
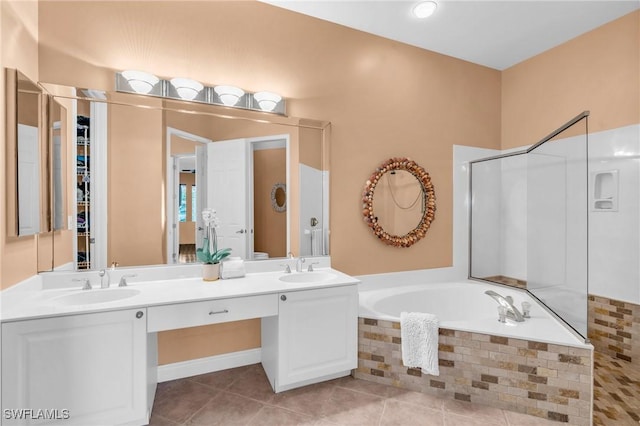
104,283
123,279
86,281
507,303
299,261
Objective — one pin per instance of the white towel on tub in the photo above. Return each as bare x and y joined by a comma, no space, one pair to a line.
419,334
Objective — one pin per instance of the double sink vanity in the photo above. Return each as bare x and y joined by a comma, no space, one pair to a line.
90,356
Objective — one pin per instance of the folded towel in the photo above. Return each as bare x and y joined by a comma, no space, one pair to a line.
316,242
419,333
232,267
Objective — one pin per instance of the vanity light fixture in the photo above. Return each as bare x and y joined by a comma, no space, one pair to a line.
95,94
140,81
187,88
424,9
229,95
267,100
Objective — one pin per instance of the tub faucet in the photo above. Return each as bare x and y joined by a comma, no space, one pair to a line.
507,303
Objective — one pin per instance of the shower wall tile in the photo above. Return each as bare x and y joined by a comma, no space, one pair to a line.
614,327
544,380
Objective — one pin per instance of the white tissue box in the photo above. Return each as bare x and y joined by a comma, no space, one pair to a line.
232,267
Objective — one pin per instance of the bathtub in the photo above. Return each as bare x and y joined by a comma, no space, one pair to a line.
463,306
537,367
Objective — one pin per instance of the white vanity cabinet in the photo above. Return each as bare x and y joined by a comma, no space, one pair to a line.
89,369
313,338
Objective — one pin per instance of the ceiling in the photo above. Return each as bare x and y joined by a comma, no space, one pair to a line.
496,34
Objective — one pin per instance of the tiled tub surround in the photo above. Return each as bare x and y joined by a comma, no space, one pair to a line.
536,366
545,380
614,328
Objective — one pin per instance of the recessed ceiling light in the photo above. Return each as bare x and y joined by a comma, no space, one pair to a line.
424,9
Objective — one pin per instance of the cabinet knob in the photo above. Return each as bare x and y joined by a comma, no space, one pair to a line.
139,314
283,297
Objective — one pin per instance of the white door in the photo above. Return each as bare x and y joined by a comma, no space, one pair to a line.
28,180
228,192
201,191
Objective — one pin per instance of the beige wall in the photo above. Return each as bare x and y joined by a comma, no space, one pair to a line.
270,226
598,71
136,233
19,42
209,340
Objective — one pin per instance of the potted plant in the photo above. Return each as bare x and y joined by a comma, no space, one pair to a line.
209,254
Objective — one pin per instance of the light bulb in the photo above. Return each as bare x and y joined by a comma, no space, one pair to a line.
140,81
229,95
187,88
267,100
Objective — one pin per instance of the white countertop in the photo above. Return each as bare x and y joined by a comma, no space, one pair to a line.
39,303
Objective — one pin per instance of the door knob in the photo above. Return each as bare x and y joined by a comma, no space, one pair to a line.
283,297
242,231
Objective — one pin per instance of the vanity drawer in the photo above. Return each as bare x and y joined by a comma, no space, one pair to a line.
193,314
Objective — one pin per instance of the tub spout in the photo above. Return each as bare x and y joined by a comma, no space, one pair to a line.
512,311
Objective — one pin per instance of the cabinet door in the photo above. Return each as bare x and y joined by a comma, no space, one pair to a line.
318,334
80,370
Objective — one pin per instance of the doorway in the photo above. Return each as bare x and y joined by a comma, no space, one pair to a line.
186,193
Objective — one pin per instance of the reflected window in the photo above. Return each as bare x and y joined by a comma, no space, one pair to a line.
182,206
194,213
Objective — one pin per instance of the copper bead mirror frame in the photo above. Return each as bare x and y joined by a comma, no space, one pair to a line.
428,208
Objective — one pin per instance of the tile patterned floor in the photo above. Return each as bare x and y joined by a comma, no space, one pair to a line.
242,396
187,253
616,392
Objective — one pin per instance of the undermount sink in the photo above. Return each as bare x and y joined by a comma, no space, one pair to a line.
308,277
86,297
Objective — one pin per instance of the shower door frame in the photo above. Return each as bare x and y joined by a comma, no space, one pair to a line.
550,136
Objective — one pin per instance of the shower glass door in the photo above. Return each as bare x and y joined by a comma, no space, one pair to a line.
557,224
529,224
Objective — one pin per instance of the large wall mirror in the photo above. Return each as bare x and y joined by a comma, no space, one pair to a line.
145,168
27,158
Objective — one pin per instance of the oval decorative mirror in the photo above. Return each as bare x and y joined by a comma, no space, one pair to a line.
399,202
279,197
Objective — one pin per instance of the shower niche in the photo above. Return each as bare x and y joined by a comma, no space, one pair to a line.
529,219
605,191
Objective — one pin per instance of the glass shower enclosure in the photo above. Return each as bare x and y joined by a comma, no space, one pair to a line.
529,221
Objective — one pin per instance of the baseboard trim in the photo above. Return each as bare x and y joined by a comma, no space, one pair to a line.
179,370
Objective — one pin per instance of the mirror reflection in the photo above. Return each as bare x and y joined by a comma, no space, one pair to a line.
398,202
279,197
28,202
145,173
57,136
